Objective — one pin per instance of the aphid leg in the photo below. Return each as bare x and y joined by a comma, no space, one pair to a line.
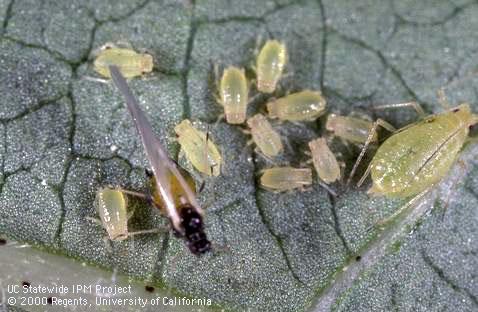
158,230
328,189
123,43
107,242
411,202
96,79
417,107
442,99
371,134
453,186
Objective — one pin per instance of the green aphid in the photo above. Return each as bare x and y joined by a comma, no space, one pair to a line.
130,63
306,105
233,94
419,155
270,64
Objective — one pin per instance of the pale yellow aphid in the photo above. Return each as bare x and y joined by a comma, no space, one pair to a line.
300,106
285,178
351,129
233,94
198,148
129,62
270,64
324,161
111,205
264,136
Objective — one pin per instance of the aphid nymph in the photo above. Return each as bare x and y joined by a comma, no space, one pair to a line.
282,179
112,208
198,148
270,64
264,136
185,214
233,94
301,106
349,128
129,62
324,161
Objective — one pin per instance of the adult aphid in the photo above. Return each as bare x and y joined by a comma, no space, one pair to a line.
129,62
418,156
233,94
185,214
300,106
270,64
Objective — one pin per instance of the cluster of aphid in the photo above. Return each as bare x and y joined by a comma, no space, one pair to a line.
408,163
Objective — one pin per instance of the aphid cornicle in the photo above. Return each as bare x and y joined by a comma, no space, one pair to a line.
351,129
285,178
183,211
270,64
264,136
418,156
324,160
130,63
233,94
198,148
301,106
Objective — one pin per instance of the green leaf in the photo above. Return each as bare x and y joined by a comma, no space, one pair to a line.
63,136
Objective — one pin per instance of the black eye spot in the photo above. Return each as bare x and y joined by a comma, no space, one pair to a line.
3,241
456,110
149,288
25,284
358,258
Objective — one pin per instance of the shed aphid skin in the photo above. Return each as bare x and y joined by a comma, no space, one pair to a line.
270,64
264,136
418,156
324,161
301,106
112,205
281,179
186,217
129,62
233,94
350,129
199,149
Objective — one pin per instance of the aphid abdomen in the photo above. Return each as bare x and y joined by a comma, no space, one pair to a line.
204,157
285,178
234,91
176,189
300,106
349,128
270,64
111,205
412,160
265,137
324,161
130,63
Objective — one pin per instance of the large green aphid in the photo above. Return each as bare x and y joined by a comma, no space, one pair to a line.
419,155
270,64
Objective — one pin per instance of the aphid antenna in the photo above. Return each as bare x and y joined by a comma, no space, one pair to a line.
373,130
328,189
415,105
